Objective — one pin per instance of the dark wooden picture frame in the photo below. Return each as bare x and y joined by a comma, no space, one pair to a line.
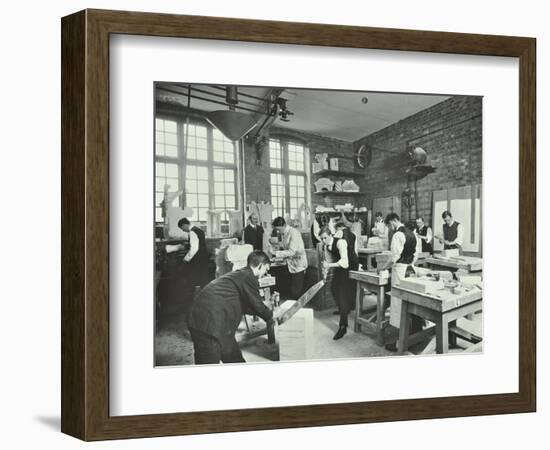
85,224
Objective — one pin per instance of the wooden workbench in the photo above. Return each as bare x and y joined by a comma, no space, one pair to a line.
372,282
473,265
369,254
442,308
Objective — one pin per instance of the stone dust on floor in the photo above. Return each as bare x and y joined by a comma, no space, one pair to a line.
173,345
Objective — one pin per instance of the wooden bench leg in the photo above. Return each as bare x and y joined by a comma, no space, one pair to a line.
271,334
380,315
452,336
358,307
442,335
404,329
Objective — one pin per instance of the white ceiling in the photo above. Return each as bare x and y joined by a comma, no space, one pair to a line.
337,114
343,115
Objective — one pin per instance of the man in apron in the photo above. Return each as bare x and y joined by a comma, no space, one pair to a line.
404,251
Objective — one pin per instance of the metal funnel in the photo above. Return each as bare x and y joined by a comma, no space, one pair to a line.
232,124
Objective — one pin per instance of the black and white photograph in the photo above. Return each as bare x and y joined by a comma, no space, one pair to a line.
296,224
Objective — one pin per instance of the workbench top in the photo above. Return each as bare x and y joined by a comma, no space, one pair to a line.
369,251
442,300
368,277
468,263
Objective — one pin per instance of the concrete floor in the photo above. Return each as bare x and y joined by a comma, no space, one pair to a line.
173,345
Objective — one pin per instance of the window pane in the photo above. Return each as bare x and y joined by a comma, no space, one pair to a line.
191,172
174,183
190,141
203,200
159,184
202,187
171,151
172,170
159,197
230,201
201,155
219,188
170,138
219,201
159,149
217,135
166,133
170,126
159,169
166,173
275,155
201,143
202,173
191,186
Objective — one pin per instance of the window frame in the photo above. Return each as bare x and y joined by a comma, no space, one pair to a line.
286,172
209,163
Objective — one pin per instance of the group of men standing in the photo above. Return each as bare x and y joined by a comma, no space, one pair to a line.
219,306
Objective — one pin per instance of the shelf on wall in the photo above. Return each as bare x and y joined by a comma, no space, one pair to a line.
337,173
338,213
342,193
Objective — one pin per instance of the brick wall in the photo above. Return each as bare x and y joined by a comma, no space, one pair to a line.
451,134
257,177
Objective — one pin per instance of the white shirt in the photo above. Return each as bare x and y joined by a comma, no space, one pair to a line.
194,246
398,244
294,250
342,246
381,230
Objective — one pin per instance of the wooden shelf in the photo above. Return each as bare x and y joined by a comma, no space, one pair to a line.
337,173
337,213
342,193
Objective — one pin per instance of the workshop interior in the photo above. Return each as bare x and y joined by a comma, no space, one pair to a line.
295,224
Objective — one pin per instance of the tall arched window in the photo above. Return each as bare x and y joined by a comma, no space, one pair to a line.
288,163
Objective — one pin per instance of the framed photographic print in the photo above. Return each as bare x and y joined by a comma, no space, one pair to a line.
273,225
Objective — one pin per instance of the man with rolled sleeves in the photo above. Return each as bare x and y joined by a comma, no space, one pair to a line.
404,251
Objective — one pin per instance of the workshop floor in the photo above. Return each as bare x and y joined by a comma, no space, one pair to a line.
173,345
